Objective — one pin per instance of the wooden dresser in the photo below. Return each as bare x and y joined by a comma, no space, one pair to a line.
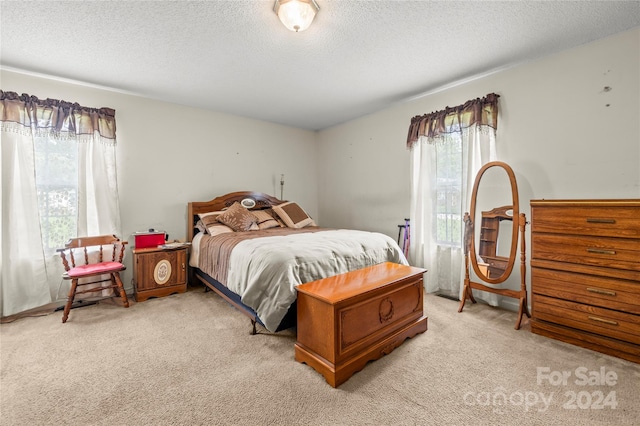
585,274
350,319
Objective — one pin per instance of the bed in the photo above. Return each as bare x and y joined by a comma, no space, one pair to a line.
254,249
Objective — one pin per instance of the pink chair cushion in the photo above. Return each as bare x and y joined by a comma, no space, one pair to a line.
95,268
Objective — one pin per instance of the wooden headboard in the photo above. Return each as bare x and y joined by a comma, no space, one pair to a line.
263,201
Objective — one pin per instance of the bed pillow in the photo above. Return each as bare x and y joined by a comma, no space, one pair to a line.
265,219
239,218
211,224
200,227
293,215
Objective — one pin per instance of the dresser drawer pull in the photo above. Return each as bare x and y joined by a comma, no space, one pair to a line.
606,321
601,251
599,220
600,291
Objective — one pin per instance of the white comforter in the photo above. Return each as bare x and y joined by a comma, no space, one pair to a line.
265,271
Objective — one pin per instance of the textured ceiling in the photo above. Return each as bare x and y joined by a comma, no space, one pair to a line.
235,56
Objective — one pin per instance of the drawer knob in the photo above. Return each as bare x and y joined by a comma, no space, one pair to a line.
599,220
601,291
606,321
600,251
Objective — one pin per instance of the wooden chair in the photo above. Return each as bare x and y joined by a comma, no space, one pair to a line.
88,250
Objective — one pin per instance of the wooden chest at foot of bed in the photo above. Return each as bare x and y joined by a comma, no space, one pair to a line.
350,319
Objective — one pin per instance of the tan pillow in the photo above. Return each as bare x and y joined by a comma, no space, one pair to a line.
293,215
265,219
211,224
239,218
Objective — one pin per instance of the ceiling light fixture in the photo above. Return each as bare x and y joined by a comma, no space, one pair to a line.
296,15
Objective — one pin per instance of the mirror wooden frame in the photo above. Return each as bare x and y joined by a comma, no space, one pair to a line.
470,250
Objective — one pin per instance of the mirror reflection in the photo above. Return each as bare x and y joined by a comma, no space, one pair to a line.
496,227
494,219
504,236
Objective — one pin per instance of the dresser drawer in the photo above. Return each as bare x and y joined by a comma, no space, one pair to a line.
620,295
614,220
619,253
615,324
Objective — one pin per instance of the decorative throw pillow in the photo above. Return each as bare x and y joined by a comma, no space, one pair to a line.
200,227
265,219
293,215
239,218
211,224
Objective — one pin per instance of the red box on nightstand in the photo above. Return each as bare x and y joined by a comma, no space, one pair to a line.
149,239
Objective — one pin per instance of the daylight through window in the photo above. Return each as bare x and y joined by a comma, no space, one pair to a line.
448,205
57,186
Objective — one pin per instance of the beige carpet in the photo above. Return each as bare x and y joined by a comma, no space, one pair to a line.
189,360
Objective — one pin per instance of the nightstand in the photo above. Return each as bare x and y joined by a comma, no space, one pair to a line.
159,272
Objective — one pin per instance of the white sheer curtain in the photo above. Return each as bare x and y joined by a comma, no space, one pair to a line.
23,273
447,150
98,206
30,271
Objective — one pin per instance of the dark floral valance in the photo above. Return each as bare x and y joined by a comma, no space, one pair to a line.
455,119
55,116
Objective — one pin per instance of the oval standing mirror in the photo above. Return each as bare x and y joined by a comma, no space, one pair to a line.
494,204
491,235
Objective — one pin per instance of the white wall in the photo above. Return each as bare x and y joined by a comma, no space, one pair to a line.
169,155
554,129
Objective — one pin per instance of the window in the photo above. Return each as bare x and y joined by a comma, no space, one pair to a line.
447,148
58,170
56,162
448,203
